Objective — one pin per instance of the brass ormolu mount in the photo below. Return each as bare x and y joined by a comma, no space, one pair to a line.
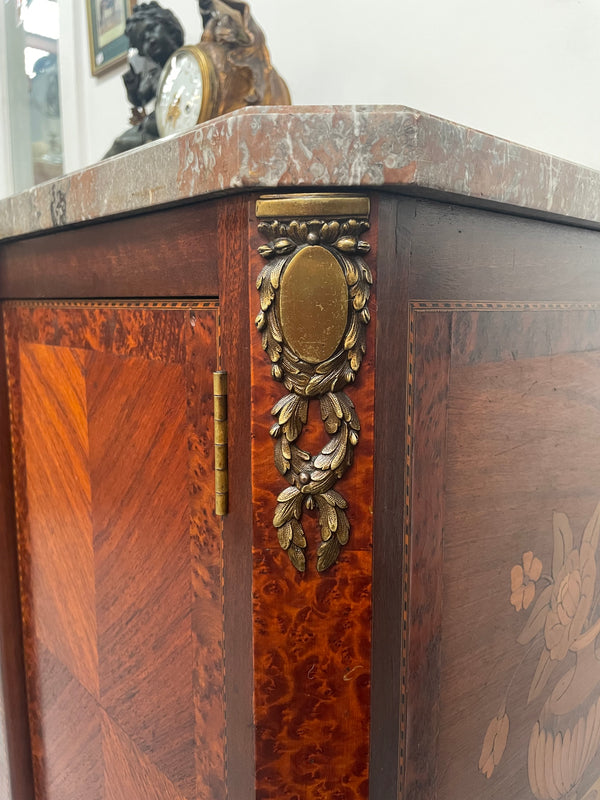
314,294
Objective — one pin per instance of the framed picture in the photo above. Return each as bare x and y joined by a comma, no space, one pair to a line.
106,28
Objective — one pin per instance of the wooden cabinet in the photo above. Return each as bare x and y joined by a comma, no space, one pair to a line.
120,553
152,649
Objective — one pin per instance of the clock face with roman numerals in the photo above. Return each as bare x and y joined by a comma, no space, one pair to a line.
180,93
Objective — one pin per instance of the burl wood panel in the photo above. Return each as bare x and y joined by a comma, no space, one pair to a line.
312,632
120,551
504,602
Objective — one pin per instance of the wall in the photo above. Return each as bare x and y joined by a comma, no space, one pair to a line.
526,70
95,110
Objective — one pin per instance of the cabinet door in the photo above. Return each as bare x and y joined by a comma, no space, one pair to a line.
119,548
503,659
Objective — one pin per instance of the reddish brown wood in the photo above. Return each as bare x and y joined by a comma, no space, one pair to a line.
16,778
208,579
128,772
233,223
523,430
312,632
120,548
12,346
141,508
522,395
522,399
68,721
429,361
59,537
164,254
312,664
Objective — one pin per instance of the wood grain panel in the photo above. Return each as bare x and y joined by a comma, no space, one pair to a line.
233,222
208,646
128,772
60,584
427,423
393,259
132,387
462,253
68,728
136,329
138,472
16,777
522,446
513,335
312,632
167,253
312,667
496,702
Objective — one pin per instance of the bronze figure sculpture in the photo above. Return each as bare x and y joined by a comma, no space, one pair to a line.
230,68
155,33
238,47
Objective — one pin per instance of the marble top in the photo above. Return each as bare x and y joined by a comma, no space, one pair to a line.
392,147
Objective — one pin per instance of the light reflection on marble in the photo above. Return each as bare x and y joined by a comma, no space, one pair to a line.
265,148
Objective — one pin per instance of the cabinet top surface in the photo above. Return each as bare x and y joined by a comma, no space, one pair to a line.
389,147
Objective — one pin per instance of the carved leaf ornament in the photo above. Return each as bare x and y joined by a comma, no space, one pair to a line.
315,338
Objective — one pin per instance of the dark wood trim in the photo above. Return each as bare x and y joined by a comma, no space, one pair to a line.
466,254
393,258
13,698
169,253
233,222
429,367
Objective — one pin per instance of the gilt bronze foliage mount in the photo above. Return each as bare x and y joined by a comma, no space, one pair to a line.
314,294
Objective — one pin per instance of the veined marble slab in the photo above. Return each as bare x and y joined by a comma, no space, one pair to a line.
393,147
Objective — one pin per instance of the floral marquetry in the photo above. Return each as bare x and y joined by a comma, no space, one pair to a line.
503,540
494,743
565,738
523,579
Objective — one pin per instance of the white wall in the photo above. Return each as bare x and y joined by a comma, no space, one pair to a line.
527,70
95,110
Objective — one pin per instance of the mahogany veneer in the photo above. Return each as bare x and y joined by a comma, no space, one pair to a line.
151,649
120,558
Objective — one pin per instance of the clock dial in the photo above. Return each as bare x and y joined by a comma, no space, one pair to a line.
180,93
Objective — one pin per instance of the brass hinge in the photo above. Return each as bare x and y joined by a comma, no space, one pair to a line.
221,442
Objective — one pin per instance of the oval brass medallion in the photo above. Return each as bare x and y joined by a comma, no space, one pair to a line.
313,304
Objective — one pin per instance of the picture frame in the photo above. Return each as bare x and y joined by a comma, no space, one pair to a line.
106,31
